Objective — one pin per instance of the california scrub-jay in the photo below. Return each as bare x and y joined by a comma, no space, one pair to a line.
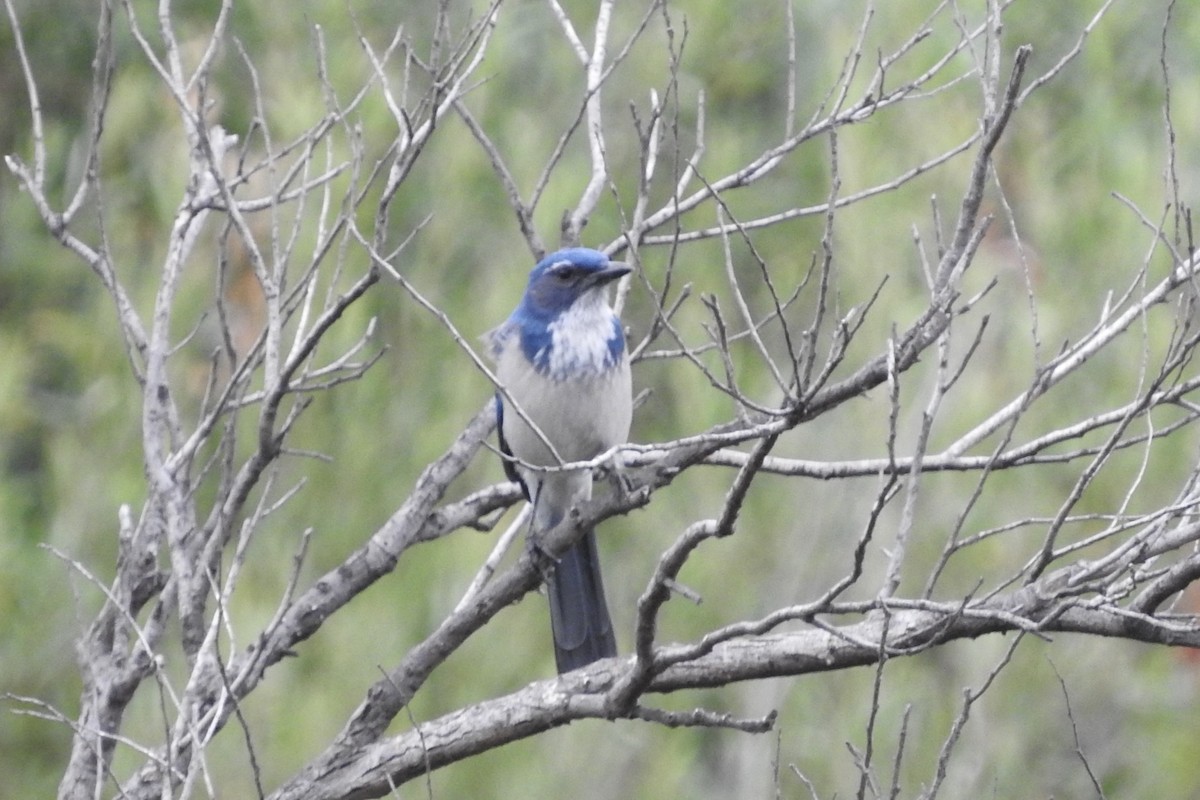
561,358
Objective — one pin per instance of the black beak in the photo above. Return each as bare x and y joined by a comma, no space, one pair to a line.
614,270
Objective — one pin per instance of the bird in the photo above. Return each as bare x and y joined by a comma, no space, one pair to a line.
561,358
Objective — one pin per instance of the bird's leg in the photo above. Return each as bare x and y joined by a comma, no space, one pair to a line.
616,476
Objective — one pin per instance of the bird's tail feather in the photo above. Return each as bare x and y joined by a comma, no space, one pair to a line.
583,631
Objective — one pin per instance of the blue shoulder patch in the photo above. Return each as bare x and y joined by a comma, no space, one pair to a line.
616,345
535,343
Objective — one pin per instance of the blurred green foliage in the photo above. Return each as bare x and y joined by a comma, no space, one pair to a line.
69,411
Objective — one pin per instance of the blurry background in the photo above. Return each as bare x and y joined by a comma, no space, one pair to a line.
69,420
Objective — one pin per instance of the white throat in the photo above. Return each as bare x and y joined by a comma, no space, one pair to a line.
580,338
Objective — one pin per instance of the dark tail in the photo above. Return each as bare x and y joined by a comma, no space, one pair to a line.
583,631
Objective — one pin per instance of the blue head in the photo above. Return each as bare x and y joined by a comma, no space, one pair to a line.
565,276
565,324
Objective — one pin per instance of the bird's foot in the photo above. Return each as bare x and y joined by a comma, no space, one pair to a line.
543,561
614,473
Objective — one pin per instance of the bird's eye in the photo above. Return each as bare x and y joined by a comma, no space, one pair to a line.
565,274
